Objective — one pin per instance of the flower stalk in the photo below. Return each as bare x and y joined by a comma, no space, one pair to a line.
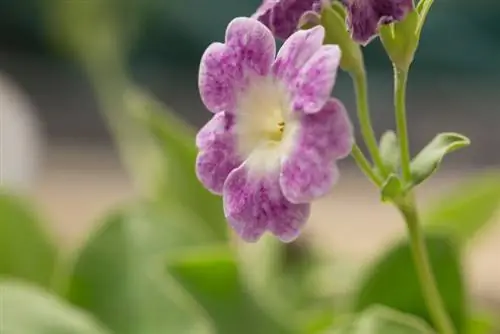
400,78
430,291
365,166
365,124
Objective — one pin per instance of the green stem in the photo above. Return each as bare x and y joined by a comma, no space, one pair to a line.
423,268
361,88
400,78
365,166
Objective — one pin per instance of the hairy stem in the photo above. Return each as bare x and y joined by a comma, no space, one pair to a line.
365,166
430,291
366,127
400,78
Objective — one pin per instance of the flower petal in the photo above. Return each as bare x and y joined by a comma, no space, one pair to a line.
254,203
366,15
218,78
295,52
226,68
217,157
316,80
309,172
253,44
282,16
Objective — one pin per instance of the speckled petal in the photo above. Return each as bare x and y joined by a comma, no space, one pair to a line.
282,16
365,16
309,172
295,52
225,69
253,43
254,204
217,156
315,81
219,78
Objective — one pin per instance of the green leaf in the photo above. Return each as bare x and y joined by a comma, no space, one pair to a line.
177,180
212,277
428,160
389,151
273,269
383,320
482,323
28,309
119,275
392,281
26,251
391,188
467,208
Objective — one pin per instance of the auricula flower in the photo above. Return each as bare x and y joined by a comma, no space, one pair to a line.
271,147
282,16
365,16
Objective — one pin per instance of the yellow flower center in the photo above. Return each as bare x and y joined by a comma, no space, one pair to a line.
277,135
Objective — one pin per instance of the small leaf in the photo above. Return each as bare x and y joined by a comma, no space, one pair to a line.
383,320
119,277
428,160
212,277
389,151
467,208
392,281
177,180
26,250
391,188
28,309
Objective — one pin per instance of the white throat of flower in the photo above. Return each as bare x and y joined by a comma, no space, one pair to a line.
265,124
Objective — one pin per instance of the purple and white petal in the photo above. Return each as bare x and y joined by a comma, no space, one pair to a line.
254,203
309,172
219,78
365,16
253,44
295,52
226,69
282,16
217,156
315,81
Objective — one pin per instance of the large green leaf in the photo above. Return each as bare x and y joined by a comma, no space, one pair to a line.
286,280
392,281
119,273
212,277
28,309
467,208
382,320
26,251
483,323
177,177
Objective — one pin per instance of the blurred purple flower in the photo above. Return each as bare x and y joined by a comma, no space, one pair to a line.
365,16
272,145
282,16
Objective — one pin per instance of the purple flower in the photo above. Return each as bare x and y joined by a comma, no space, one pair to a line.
272,145
365,16
282,16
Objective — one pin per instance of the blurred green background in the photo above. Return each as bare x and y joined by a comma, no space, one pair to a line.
80,201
